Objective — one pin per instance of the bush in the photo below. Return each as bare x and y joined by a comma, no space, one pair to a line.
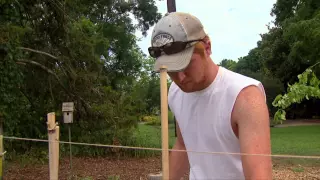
154,120
147,118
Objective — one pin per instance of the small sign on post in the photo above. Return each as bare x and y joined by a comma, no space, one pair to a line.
67,109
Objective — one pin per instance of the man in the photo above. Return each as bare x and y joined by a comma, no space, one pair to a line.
216,109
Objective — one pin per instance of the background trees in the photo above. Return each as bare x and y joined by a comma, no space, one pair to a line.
85,51
285,51
82,51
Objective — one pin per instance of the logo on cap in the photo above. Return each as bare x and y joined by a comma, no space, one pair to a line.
162,39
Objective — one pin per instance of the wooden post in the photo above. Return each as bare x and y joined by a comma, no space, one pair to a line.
164,123
1,147
53,135
155,176
171,5
2,157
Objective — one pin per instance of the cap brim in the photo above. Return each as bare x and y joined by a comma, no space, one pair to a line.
175,62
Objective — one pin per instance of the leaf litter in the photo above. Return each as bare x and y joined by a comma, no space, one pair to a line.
85,168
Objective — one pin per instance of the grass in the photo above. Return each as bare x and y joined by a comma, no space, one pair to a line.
150,136
297,140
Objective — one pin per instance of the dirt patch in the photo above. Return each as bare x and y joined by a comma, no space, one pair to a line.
96,168
133,168
300,122
296,172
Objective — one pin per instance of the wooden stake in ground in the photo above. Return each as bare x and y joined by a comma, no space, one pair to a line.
164,123
53,136
1,156
1,148
171,6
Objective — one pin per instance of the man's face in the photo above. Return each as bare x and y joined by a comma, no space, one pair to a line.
192,78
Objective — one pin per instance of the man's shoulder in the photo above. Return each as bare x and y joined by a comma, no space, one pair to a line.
237,78
251,93
237,84
251,101
234,80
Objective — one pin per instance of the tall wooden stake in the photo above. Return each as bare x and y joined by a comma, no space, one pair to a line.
53,136
171,7
164,123
1,148
70,151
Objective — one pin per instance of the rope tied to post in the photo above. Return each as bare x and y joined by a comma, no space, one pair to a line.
161,149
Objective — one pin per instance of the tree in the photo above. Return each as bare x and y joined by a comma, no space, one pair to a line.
291,46
228,63
83,51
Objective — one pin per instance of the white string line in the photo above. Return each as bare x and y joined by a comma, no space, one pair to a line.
160,149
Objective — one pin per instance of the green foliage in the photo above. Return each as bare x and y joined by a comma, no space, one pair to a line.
284,52
251,62
148,118
291,46
154,120
307,87
83,51
229,64
283,9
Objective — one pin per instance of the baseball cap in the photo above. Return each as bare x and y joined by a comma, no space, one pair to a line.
176,34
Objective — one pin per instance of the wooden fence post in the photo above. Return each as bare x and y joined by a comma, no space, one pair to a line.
164,123
1,147
154,176
53,136
164,175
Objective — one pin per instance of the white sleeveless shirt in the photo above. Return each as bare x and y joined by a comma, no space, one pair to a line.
204,118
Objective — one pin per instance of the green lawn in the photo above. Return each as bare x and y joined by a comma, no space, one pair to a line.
298,140
150,136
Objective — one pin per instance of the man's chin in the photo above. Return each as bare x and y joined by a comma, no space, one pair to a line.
186,89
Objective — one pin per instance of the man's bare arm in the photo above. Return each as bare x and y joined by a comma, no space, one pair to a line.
178,161
252,118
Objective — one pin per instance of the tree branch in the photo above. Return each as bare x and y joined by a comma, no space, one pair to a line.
23,62
40,52
46,69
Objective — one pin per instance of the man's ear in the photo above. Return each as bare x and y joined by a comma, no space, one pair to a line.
208,47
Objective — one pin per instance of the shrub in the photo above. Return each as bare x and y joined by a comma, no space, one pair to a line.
154,120
147,119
